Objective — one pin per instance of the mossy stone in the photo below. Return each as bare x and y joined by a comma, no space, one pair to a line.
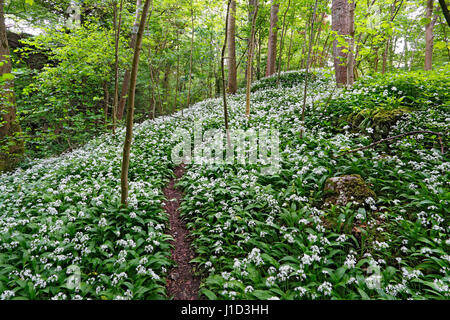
381,120
344,189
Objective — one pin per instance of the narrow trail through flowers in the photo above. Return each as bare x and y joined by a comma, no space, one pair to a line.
181,282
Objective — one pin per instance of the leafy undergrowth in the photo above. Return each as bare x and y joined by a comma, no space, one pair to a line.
61,219
263,237
257,236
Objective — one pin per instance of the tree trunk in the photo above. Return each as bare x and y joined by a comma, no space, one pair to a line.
251,4
351,41
250,59
307,68
175,102
222,64
445,11
385,55
190,57
165,85
232,72
429,36
305,41
317,39
258,61
272,45
126,77
342,12
280,56
130,111
324,53
11,146
290,50
376,60
211,66
117,27
106,100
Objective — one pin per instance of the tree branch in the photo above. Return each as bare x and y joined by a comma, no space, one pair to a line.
439,134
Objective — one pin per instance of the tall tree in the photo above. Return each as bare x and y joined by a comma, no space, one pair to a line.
126,77
232,70
251,6
250,55
117,27
429,35
177,85
342,12
11,147
305,90
287,68
283,33
130,111
272,45
222,65
190,56
445,11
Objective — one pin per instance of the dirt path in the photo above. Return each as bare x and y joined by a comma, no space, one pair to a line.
181,282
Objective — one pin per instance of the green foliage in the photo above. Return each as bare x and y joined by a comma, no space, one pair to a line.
65,212
62,105
262,237
378,101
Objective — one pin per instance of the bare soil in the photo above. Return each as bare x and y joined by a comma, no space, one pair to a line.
181,282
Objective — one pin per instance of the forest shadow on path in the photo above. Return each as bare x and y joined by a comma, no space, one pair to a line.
181,282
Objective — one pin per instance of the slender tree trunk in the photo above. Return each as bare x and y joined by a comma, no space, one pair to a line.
280,56
117,27
258,62
190,56
175,102
444,31
152,82
250,59
385,54
392,52
317,38
11,146
388,40
307,68
358,42
165,86
445,11
106,100
324,52
406,52
305,41
251,4
376,60
154,93
272,45
232,72
351,42
429,36
222,64
211,66
130,111
342,12
126,77
328,52
288,66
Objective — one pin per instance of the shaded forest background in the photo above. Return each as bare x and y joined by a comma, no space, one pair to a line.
66,75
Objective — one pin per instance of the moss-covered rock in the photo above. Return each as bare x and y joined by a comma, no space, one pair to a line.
344,189
384,119
381,121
